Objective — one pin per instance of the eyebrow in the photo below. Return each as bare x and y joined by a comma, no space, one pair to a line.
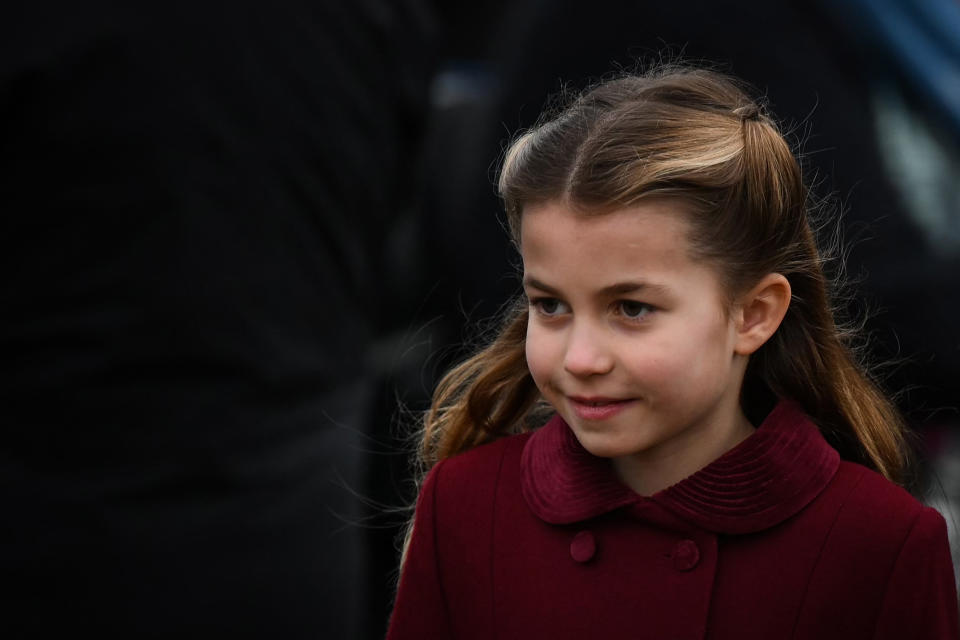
620,288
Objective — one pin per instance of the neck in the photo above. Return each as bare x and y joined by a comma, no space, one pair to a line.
649,472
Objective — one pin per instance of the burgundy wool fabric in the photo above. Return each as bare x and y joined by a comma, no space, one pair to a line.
532,537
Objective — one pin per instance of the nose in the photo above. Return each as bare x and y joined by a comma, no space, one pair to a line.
587,354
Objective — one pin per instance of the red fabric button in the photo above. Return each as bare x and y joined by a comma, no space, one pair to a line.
583,547
686,555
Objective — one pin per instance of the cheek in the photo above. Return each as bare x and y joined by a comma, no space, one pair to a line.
683,361
659,377
540,354
704,357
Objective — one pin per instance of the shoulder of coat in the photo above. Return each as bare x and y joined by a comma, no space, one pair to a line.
871,488
876,505
486,460
466,485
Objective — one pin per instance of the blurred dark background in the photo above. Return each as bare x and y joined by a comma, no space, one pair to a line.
238,237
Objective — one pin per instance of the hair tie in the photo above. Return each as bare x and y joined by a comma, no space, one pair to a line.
747,112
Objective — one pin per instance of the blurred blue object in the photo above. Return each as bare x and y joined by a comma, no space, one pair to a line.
920,38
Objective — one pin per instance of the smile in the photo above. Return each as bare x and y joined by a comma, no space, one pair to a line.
597,408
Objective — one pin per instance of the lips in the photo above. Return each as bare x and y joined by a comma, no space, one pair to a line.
597,408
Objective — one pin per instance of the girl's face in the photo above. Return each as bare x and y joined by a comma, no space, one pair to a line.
628,337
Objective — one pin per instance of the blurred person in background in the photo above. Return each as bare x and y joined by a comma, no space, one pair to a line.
197,200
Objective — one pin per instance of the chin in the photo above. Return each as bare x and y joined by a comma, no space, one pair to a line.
602,445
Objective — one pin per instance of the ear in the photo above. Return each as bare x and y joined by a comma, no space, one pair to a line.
760,311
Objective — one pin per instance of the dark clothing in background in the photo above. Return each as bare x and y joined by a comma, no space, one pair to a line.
194,200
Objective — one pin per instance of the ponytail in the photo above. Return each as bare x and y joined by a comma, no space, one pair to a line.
810,358
808,361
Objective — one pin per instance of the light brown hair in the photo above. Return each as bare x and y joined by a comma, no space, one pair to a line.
698,136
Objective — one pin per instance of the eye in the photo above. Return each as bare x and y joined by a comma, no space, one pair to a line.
633,310
549,307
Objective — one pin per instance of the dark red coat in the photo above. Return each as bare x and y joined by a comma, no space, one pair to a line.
533,537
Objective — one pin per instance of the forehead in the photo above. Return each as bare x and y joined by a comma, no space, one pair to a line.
649,238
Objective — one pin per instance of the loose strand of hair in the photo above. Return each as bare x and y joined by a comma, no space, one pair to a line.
486,396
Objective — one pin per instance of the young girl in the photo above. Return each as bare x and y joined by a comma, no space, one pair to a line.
717,465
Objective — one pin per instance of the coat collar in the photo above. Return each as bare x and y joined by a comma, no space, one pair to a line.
767,478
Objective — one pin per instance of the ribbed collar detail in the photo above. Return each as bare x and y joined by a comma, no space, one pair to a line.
767,478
